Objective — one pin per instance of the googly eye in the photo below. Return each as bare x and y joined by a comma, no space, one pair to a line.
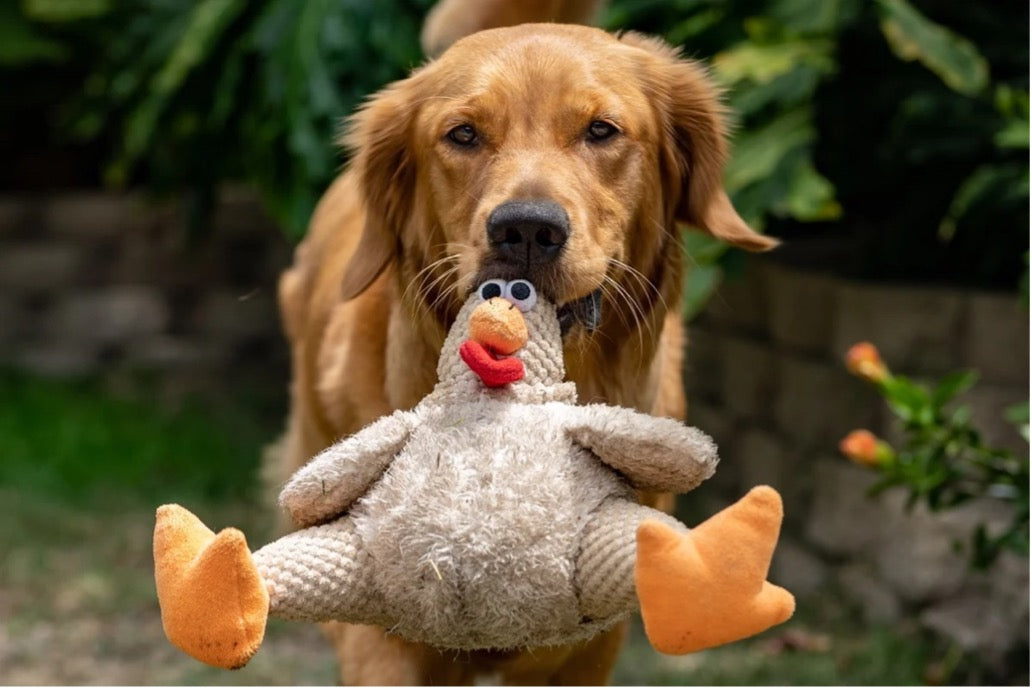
522,294
492,288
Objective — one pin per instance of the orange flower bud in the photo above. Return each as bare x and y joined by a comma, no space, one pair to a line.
864,361
864,448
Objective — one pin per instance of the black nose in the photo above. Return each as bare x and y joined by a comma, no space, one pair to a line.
531,231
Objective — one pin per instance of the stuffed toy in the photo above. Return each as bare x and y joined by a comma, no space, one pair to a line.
496,514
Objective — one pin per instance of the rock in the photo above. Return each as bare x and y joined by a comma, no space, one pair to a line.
976,623
59,359
237,316
760,457
817,404
37,267
797,569
919,555
879,604
704,360
801,308
176,353
917,330
996,338
843,520
15,214
988,403
112,315
749,378
92,215
740,304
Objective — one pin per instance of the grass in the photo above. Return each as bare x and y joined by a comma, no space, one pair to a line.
82,469
72,441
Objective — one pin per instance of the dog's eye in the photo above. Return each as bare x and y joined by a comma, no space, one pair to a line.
600,130
492,288
463,135
522,294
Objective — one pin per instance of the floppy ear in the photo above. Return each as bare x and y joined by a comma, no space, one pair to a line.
378,136
694,149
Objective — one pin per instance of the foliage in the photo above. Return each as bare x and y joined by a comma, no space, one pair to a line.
899,125
190,95
942,460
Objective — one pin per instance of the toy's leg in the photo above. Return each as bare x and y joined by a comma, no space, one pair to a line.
216,596
213,602
318,574
708,587
605,564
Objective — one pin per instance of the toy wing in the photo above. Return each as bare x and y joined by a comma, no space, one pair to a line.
330,482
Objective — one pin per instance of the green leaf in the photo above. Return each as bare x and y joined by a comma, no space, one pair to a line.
814,16
22,44
987,181
764,63
953,385
907,399
65,10
207,22
912,36
811,197
757,152
702,248
1018,416
700,285
1013,135
694,25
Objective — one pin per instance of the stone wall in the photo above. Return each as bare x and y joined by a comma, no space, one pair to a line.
92,283
766,378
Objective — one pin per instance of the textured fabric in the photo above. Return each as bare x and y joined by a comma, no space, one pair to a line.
493,372
711,588
319,573
213,604
605,564
329,483
653,453
474,532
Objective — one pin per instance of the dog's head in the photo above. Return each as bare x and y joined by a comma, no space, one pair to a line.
557,153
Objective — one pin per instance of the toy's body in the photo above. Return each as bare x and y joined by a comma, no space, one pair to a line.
495,514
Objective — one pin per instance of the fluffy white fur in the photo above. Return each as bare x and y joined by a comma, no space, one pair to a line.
470,519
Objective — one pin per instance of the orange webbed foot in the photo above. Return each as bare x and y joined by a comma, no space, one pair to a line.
214,603
708,586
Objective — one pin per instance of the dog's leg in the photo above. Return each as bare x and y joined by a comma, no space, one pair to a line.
370,656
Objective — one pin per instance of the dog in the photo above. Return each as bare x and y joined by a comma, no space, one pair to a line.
557,153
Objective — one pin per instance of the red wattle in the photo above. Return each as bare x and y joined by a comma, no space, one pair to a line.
493,372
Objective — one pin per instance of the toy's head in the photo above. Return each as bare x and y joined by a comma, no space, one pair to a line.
505,338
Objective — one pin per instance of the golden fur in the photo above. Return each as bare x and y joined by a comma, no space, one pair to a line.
399,240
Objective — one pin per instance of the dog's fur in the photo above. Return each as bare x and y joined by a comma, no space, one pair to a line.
399,240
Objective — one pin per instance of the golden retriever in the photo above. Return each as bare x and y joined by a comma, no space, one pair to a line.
558,153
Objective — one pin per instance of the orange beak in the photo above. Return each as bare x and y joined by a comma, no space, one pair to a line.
497,329
499,326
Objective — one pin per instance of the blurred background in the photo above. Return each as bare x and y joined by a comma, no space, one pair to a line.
161,158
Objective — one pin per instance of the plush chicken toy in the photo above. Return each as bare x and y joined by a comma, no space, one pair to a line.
497,513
